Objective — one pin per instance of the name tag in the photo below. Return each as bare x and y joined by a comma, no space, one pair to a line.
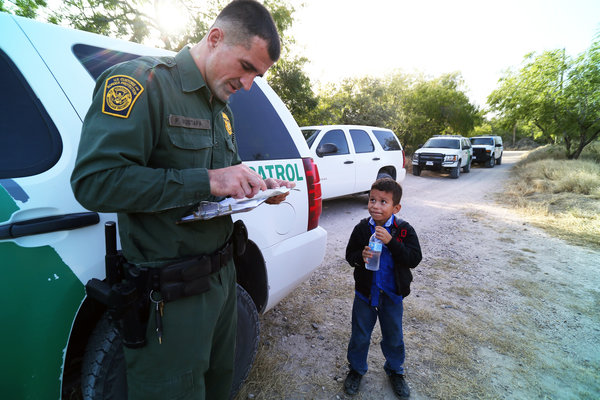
186,122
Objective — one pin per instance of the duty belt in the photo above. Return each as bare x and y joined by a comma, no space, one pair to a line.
191,276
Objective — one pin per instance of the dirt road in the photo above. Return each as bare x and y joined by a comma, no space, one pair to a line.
498,309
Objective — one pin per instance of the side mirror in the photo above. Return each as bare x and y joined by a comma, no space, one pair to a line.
326,148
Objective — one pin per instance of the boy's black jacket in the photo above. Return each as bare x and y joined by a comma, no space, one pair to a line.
405,249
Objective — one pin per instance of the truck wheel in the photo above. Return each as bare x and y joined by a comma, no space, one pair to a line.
467,168
246,342
499,161
491,162
416,171
455,172
103,373
103,368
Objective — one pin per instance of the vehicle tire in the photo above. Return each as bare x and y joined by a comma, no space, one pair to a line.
416,171
103,373
467,168
491,162
455,172
499,161
384,174
103,368
246,342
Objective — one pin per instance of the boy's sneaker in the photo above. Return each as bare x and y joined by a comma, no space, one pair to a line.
400,386
352,382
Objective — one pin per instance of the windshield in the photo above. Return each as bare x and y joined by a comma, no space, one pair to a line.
486,140
442,143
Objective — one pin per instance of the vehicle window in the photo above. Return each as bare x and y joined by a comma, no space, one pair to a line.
310,135
259,131
362,141
338,138
387,140
482,141
29,141
96,59
442,143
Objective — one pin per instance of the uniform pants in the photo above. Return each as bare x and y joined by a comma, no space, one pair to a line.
196,357
364,317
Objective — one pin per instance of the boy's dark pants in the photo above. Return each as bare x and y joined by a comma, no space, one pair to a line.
364,317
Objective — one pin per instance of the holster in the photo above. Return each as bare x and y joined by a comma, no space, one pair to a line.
126,291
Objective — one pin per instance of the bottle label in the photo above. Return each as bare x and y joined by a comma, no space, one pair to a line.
375,246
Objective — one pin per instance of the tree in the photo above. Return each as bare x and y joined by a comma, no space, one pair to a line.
293,86
434,107
23,8
557,93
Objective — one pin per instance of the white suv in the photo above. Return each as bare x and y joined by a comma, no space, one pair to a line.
351,157
487,150
59,344
444,152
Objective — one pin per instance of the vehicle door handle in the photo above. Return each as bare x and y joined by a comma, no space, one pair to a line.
54,223
376,159
348,162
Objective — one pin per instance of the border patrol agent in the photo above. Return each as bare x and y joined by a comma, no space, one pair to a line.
157,139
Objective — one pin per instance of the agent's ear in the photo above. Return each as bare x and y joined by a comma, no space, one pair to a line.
397,208
215,37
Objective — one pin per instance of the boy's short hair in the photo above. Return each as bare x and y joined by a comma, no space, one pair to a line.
389,185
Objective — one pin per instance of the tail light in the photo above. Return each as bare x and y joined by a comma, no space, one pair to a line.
403,159
313,183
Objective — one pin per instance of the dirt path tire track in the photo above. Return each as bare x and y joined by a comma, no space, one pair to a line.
498,309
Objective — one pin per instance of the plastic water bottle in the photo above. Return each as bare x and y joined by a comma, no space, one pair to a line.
376,245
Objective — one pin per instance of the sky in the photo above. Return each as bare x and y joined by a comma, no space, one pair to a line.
479,38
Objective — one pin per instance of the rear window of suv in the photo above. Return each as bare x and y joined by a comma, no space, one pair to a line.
387,140
260,133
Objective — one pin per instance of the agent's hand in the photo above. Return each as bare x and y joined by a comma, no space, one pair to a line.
382,234
277,183
237,181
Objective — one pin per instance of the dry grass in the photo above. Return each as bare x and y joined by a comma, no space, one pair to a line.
562,196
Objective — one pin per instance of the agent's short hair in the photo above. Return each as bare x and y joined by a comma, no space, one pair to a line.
243,19
389,185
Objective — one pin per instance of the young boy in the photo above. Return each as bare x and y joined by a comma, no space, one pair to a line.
379,294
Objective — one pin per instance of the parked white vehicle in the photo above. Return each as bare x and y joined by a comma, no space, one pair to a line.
487,150
50,246
351,157
444,153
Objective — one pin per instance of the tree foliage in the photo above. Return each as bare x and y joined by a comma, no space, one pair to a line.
23,8
556,93
414,107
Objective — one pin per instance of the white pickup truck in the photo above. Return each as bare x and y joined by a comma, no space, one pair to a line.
55,341
351,157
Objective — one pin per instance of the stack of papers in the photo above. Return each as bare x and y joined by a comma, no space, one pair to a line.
211,209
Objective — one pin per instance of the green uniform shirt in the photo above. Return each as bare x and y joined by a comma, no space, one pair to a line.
147,141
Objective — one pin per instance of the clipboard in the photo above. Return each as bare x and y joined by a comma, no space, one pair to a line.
211,209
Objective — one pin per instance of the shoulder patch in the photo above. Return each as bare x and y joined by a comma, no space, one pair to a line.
120,94
227,124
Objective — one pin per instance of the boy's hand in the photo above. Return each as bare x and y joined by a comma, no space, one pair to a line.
366,254
382,234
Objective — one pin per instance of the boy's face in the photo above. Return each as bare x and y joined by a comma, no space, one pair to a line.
381,206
